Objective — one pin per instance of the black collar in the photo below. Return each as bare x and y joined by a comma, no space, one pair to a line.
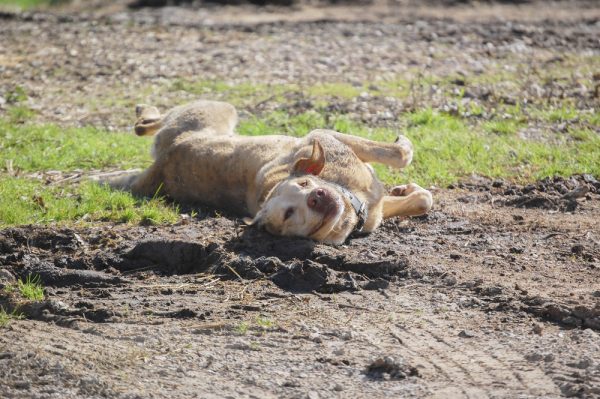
359,207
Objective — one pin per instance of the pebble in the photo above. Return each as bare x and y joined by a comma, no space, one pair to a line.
315,338
450,280
6,277
466,334
312,395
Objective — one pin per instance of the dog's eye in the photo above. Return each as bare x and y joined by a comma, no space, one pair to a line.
288,213
303,183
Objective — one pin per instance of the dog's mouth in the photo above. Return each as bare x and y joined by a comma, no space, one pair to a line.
330,217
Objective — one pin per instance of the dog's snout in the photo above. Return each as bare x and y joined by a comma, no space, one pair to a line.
320,200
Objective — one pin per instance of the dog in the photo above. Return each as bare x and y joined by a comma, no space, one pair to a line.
320,186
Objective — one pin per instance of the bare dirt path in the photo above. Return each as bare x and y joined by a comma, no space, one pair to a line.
495,294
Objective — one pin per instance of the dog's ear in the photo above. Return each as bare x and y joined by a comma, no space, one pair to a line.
256,221
249,221
313,165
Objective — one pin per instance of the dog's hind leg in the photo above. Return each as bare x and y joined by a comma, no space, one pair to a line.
407,200
398,154
149,120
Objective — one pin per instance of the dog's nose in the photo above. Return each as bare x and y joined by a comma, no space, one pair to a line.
320,200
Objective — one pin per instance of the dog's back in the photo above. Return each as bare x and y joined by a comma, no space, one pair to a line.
202,117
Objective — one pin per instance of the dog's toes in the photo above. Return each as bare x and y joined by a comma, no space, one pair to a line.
399,191
405,189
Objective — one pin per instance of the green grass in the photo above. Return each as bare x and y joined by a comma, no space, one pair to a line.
447,148
25,201
28,4
48,147
474,139
31,288
502,127
6,317
28,148
242,328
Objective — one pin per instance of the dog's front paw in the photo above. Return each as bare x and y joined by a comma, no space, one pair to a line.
405,189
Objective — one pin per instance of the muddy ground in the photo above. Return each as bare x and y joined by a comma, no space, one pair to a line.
496,293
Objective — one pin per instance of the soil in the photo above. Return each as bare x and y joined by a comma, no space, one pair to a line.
496,293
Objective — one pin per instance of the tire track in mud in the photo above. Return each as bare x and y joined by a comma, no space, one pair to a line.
468,367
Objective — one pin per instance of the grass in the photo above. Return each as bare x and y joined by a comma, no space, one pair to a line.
448,149
28,4
242,328
471,138
31,288
6,317
32,148
28,148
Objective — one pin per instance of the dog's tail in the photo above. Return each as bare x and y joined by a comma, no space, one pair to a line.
149,120
118,180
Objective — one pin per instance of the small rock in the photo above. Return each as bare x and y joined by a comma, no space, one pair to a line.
549,358
584,363
338,388
312,395
339,351
450,280
466,334
439,297
534,357
571,321
577,249
6,277
22,384
538,329
314,337
570,389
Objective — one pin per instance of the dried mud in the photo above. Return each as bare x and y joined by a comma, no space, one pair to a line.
496,293
476,299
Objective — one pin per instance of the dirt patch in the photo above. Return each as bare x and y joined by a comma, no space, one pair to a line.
393,306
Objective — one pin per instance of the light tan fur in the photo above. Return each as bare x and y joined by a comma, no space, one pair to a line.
199,159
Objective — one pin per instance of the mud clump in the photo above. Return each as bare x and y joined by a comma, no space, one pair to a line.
552,193
389,368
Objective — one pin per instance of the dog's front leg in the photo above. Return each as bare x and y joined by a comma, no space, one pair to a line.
407,200
397,154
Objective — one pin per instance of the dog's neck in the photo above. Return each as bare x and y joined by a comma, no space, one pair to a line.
360,208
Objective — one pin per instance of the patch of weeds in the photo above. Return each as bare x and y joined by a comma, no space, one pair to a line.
16,95
505,127
6,317
28,4
242,328
20,114
49,147
31,288
563,113
240,95
340,90
265,322
255,346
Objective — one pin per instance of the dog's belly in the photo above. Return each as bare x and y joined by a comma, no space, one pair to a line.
218,171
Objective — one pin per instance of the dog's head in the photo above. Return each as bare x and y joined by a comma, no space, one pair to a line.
304,205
